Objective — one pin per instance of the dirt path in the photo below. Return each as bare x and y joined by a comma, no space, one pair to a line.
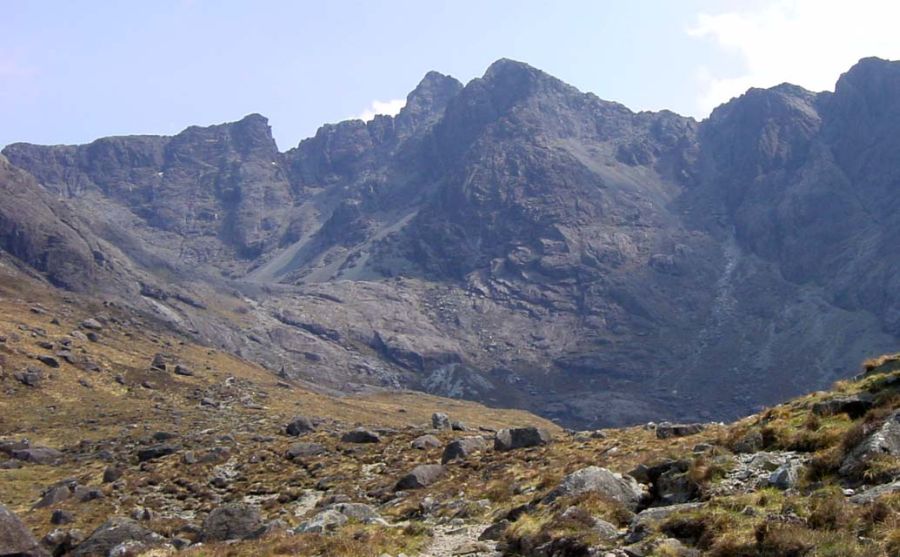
460,541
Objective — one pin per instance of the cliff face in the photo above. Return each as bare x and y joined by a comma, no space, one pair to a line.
519,242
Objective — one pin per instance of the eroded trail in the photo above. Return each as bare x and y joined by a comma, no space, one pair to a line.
452,540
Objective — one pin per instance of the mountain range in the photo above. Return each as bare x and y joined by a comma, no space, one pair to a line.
512,241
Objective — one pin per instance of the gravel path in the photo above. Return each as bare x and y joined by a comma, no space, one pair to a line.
460,541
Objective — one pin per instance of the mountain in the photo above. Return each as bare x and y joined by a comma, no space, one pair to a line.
512,241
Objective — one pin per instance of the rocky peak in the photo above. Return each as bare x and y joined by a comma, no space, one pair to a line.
252,134
763,130
863,115
426,103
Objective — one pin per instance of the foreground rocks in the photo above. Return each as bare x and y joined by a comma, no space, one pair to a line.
15,538
113,533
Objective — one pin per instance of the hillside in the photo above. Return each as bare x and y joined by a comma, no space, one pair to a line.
512,241
120,436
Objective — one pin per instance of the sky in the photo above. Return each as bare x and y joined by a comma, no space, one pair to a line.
73,71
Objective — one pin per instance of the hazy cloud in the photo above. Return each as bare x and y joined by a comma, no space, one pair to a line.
389,108
805,42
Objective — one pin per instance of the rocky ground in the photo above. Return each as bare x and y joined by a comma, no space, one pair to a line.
120,437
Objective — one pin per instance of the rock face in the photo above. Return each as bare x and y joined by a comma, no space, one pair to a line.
15,538
513,240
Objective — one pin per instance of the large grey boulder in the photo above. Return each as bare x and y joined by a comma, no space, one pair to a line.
461,449
873,493
421,476
425,442
232,522
785,476
300,425
520,437
302,450
37,455
594,479
15,538
883,441
852,405
439,420
112,533
645,521
360,435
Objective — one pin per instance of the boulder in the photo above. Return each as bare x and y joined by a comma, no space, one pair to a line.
645,521
873,493
359,512
183,370
300,450
159,362
112,533
60,517
48,361
666,430
15,538
439,420
155,451
421,476
425,442
594,479
520,437
495,531
461,449
37,455
53,495
112,474
31,377
785,476
855,406
231,522
360,435
91,324
300,425
325,521
885,440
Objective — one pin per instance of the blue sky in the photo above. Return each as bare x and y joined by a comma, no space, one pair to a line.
72,71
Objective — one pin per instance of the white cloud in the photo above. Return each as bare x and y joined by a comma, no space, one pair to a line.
389,108
805,42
